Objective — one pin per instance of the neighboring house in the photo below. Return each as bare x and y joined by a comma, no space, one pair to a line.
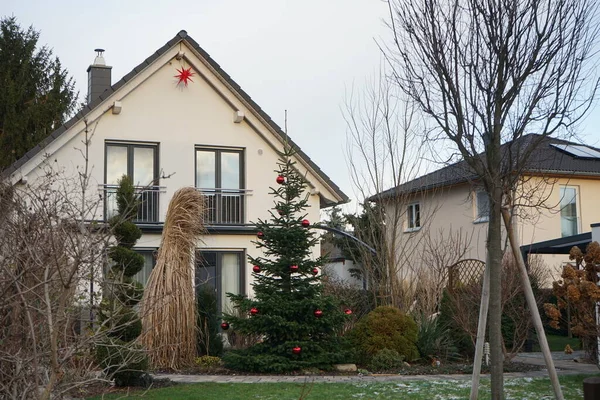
557,197
338,267
167,133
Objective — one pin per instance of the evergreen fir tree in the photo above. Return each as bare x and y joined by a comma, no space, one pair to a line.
36,92
298,324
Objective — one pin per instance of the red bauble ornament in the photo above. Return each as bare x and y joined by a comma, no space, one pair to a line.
348,311
184,75
254,311
305,223
318,313
297,350
315,271
280,179
280,211
294,268
260,235
225,326
256,269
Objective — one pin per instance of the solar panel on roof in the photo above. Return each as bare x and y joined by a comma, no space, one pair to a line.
578,151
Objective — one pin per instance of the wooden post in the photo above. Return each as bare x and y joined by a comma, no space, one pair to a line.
481,328
591,388
535,313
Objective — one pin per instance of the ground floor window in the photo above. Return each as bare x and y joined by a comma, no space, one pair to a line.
220,272
149,255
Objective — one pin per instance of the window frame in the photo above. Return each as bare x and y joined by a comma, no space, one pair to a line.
218,272
478,218
131,145
577,208
218,150
219,192
411,214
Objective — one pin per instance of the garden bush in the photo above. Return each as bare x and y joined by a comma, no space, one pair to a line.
435,339
385,328
385,360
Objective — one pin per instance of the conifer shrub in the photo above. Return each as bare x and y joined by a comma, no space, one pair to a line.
385,327
385,360
121,358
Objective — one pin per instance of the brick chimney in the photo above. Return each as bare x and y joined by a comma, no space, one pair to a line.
99,78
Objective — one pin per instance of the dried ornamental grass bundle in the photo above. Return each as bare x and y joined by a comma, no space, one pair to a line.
168,309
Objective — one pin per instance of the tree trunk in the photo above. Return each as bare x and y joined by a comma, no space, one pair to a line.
535,313
494,248
481,325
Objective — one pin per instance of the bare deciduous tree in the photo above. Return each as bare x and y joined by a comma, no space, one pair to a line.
485,73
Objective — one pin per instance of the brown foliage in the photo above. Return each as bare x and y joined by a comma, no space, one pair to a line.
578,291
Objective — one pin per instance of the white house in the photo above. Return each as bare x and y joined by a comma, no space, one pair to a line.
176,120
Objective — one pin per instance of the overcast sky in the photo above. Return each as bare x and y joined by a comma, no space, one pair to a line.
302,56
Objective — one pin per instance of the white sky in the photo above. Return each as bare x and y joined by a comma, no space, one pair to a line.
302,56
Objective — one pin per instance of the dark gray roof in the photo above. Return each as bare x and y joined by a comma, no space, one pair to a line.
181,36
544,159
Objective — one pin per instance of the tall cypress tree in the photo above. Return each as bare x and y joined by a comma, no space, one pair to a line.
299,326
36,93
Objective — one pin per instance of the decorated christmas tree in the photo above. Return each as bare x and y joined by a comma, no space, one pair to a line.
298,326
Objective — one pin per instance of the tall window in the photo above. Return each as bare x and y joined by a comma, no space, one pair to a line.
220,272
139,161
149,264
482,201
413,217
219,176
569,224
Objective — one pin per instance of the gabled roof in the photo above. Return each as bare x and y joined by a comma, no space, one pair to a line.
181,36
545,158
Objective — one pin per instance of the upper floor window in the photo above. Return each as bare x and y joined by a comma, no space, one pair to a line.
569,222
219,176
482,204
413,217
139,161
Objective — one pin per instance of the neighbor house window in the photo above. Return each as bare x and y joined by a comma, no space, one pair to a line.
482,204
219,176
139,161
220,272
569,223
413,218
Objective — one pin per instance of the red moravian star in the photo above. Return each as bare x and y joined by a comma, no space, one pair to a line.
184,75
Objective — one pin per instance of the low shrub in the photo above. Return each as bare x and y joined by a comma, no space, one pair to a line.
435,340
124,362
385,360
208,362
385,328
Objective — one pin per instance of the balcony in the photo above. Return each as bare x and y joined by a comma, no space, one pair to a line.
225,206
148,207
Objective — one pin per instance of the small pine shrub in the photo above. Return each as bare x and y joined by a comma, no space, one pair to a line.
385,328
386,360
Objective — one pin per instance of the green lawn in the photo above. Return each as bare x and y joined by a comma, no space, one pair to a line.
518,388
558,343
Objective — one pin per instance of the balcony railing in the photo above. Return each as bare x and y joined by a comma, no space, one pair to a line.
225,206
147,196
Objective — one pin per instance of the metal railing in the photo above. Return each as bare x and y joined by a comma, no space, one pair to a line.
147,196
225,206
